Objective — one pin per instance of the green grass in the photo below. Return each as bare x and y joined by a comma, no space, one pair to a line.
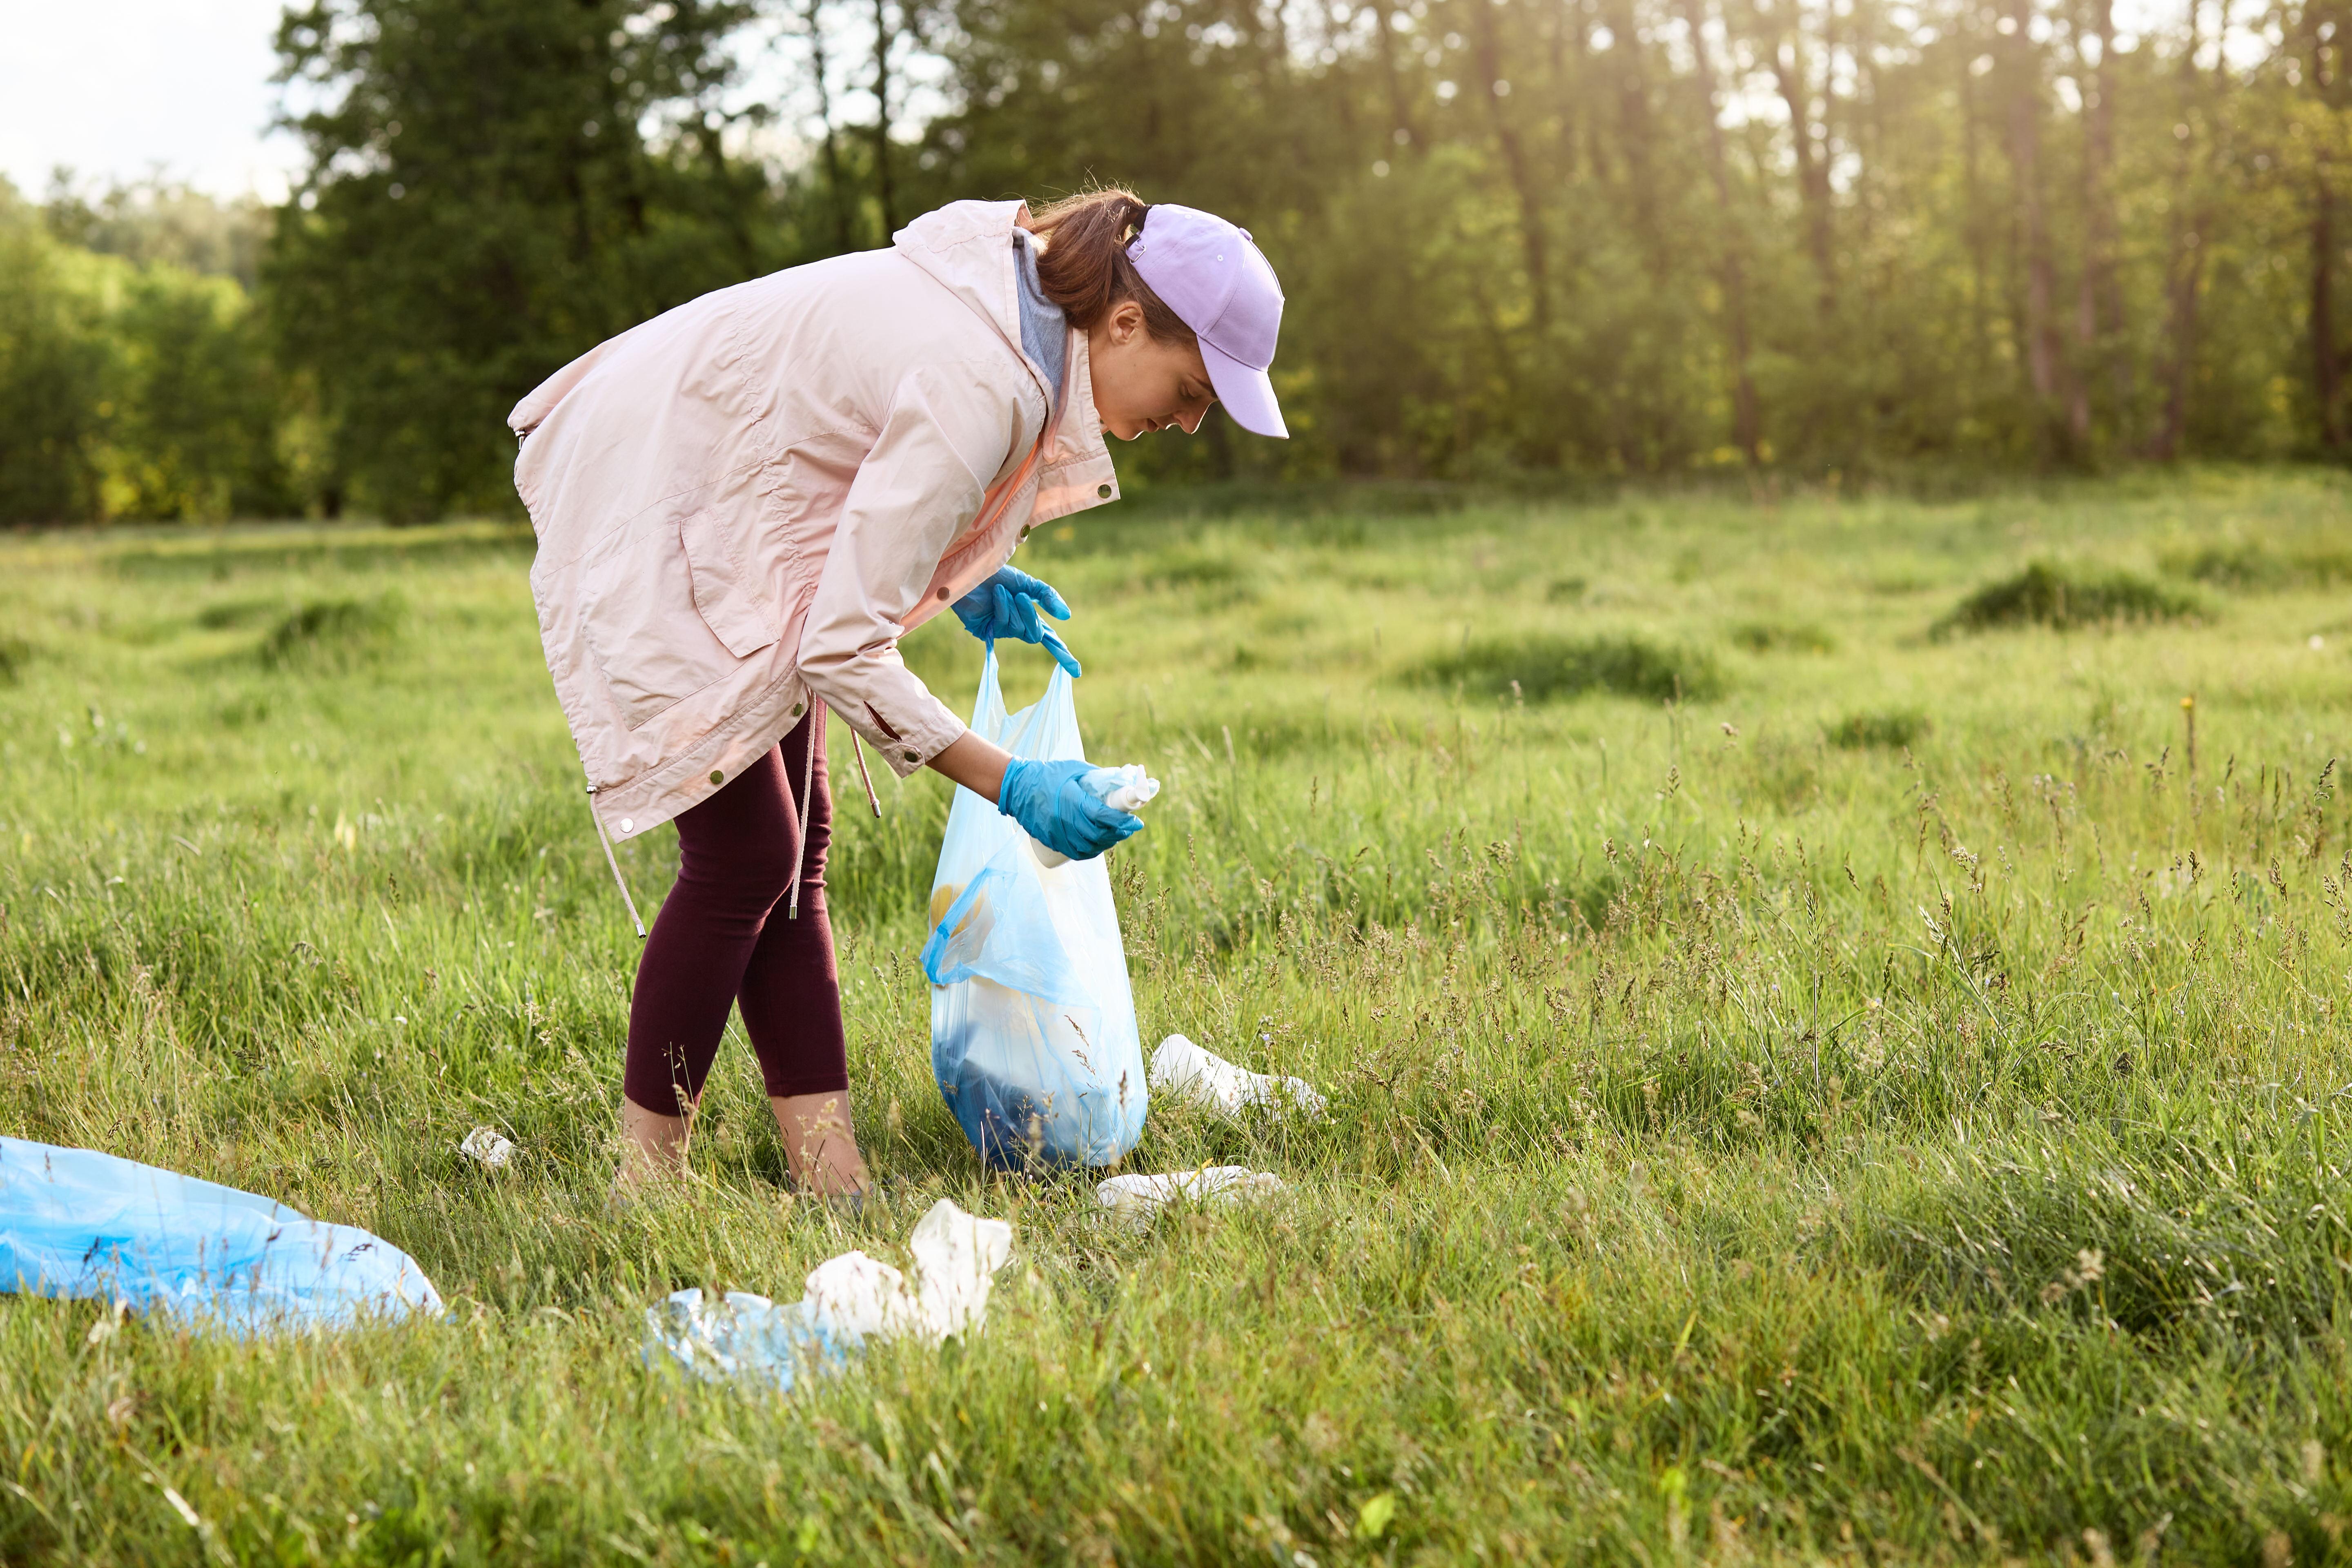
1746,1146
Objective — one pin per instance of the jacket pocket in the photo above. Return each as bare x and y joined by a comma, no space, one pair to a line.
666,614
738,613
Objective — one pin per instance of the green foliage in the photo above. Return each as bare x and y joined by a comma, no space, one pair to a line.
1542,668
54,372
130,390
1889,727
1741,1148
2067,599
328,633
485,203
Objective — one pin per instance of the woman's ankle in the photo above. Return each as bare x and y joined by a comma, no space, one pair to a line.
651,1144
819,1143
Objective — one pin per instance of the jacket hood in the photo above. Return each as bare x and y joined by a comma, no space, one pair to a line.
968,247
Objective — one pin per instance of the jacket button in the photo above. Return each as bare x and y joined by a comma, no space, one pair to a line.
628,824
718,777
1103,491
913,758
798,708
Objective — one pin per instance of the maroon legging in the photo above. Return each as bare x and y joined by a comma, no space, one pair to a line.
724,936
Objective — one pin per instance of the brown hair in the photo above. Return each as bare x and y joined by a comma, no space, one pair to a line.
1083,263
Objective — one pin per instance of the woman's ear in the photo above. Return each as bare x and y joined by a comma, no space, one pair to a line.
1124,323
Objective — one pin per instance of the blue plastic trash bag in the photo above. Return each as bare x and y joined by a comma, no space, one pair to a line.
1033,1027
75,1223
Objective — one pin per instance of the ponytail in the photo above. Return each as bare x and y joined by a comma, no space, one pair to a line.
1083,264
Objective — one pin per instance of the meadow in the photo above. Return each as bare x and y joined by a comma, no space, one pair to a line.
1833,1009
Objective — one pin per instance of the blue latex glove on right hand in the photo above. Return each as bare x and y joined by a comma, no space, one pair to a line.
1056,810
1006,604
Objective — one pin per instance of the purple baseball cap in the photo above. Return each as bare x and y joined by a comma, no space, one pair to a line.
1212,276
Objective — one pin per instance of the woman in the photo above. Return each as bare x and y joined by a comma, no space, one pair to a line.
742,506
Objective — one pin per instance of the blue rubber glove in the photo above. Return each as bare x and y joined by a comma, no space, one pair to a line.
1006,606
1056,810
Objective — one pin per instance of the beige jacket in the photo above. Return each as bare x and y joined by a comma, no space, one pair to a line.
742,505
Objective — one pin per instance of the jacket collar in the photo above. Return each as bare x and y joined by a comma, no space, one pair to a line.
967,247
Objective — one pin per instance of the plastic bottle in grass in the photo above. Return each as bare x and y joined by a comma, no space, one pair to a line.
1121,789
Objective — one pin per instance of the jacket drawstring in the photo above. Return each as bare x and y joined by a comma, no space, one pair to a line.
808,773
617,880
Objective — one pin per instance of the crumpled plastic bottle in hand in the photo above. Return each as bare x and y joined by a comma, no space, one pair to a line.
1126,788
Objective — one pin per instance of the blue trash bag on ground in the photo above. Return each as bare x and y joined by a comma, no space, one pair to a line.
77,1223
1033,1040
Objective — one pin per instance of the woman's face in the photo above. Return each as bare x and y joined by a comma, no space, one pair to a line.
1142,383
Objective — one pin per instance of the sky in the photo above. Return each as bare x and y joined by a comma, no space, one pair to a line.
115,88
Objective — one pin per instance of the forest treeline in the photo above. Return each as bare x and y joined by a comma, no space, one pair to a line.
1519,237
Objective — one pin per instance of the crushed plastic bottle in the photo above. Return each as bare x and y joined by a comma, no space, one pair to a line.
1126,788
1185,1070
1137,1200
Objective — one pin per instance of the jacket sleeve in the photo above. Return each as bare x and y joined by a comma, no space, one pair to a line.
946,435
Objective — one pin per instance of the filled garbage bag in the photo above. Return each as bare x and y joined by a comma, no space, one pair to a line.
77,1223
1033,1040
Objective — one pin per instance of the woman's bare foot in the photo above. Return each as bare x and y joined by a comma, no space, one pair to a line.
818,1144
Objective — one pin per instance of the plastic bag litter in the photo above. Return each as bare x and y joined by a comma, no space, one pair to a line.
1137,1199
1033,1039
845,1301
1204,1078
1128,789
75,1222
484,1146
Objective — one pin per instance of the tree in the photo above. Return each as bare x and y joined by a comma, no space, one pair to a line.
496,186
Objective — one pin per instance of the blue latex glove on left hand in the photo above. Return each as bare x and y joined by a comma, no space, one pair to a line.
1006,606
1056,809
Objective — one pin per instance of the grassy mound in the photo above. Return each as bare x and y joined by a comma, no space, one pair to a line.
2259,565
2048,595
1541,669
1776,637
331,633
1890,727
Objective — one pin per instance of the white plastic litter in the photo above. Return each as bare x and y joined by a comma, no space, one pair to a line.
1128,788
845,1301
484,1146
1185,1070
956,1258
1139,1199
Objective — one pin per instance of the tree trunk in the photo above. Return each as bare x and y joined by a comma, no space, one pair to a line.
1407,131
2184,271
1793,78
885,35
2099,304
812,16
1515,161
1746,419
1973,224
2327,359
2039,332
1636,140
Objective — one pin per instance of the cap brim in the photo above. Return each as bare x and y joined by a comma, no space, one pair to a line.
1247,394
